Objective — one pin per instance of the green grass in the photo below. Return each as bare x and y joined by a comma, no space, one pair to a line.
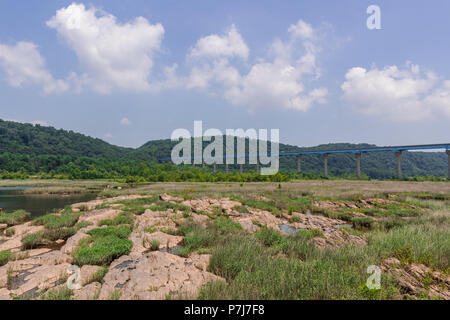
4,257
154,245
362,223
63,293
121,219
10,232
14,218
99,275
37,239
262,204
103,246
82,224
241,209
252,272
164,206
53,221
31,241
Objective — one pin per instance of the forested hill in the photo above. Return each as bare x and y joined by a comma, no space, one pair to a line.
377,165
25,138
34,149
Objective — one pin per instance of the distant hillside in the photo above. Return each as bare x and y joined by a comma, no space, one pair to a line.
25,138
377,165
57,148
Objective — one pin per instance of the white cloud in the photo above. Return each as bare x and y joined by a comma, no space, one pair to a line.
111,55
125,122
24,65
302,30
398,94
230,44
276,83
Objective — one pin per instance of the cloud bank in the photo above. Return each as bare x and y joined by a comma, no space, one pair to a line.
399,94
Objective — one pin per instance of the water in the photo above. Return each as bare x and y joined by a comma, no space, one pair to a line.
344,226
37,204
173,250
287,229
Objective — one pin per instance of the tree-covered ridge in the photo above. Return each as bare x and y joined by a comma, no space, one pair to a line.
27,149
25,138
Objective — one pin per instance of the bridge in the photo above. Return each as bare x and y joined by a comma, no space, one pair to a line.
398,150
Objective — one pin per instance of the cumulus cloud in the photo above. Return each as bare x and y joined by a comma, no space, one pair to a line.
277,82
111,55
24,65
214,46
402,94
125,122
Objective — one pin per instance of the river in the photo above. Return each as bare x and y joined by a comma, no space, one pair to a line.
12,199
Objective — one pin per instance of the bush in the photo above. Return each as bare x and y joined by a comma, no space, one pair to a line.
14,218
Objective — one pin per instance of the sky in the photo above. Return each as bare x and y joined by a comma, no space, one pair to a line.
130,71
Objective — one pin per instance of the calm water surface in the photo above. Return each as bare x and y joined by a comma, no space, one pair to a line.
37,204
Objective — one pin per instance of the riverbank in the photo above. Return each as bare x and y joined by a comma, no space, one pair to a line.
296,240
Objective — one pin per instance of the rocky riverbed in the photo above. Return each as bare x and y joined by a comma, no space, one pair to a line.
150,271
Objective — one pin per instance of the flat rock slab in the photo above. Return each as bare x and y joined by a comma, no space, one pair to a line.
73,241
96,216
88,292
34,274
154,276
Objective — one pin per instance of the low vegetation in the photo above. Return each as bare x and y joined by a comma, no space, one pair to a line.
14,218
103,246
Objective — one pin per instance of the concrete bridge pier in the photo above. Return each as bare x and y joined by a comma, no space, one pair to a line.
358,165
325,165
241,168
398,154
226,167
299,164
257,165
214,167
448,155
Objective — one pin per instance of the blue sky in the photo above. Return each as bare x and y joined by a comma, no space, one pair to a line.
310,68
